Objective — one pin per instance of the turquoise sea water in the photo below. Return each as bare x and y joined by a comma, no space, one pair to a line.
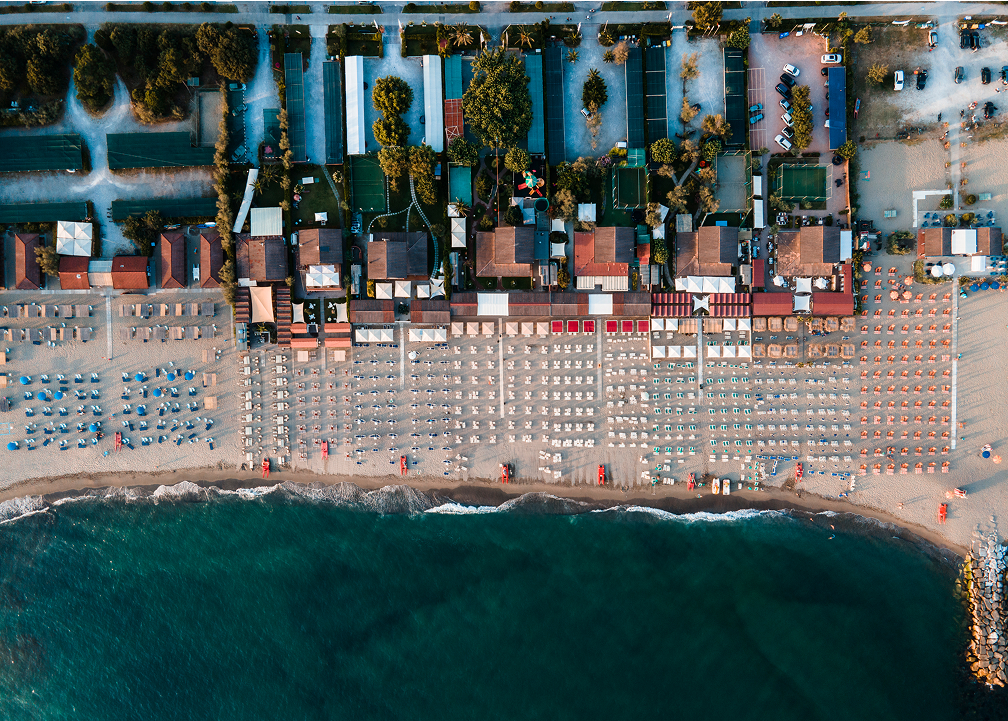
278,607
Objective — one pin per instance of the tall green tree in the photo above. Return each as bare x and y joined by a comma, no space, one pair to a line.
497,102
94,77
462,152
231,50
392,97
594,91
706,15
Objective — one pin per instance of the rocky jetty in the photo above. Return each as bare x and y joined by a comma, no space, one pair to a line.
982,584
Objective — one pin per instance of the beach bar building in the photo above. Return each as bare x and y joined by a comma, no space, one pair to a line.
173,260
211,259
73,272
129,272
27,274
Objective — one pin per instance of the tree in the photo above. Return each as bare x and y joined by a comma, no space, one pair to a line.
848,150
715,125
620,53
564,205
48,259
663,151
653,216
371,289
605,37
676,199
739,38
497,102
513,216
41,75
594,91
231,50
390,131
708,176
94,77
689,69
706,15
659,251
143,230
688,111
462,152
608,56
461,36
392,96
708,203
422,161
563,275
863,36
801,117
688,151
879,72
711,149
395,163
10,74
774,21
516,160
572,56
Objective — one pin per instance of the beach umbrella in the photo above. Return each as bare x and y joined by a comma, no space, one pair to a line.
866,267
984,286
40,396
189,375
995,285
171,376
893,295
25,380
12,446
986,453
948,268
157,392
974,287
936,271
139,377
996,459
93,428
908,280
907,295
59,395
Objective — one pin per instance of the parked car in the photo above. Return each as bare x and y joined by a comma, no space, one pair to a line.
755,108
1004,75
783,90
783,142
921,79
985,75
831,59
963,40
753,119
786,117
787,80
696,107
974,41
755,252
792,70
960,73
786,104
932,39
788,132
584,112
989,109
838,160
899,80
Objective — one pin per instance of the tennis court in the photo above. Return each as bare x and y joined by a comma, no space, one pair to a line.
629,188
40,152
294,77
155,150
368,184
42,212
168,207
803,182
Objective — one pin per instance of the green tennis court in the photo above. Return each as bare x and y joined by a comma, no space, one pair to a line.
803,182
368,184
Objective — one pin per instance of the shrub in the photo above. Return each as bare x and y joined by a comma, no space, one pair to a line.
946,202
878,72
863,36
516,160
563,275
901,242
620,53
232,51
605,38
711,149
462,152
738,38
706,15
594,91
971,199
474,6
48,258
801,117
663,151
483,186
847,150
371,289
513,216
486,222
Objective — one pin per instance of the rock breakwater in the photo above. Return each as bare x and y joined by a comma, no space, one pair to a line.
982,585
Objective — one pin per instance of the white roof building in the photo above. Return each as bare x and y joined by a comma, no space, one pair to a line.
267,221
433,102
354,68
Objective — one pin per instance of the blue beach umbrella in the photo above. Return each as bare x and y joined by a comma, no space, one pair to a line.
157,392
58,395
189,375
171,376
12,446
984,286
986,454
974,287
995,285
25,380
40,395
139,377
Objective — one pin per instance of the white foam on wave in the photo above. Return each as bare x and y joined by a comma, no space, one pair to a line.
697,516
181,491
457,509
15,509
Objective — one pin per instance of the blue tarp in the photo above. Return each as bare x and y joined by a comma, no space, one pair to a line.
837,107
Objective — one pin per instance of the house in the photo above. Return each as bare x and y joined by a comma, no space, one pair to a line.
211,259
506,252
809,251
129,272
260,259
73,272
603,257
397,256
173,260
27,274
710,251
937,242
772,304
320,257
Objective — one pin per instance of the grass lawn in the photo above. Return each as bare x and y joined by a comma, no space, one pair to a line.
420,40
898,48
312,310
486,283
517,283
316,198
330,305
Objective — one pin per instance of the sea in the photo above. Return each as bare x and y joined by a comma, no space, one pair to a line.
305,603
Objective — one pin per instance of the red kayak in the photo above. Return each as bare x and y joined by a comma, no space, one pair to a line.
798,471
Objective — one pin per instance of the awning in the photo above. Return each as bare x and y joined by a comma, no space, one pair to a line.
803,285
403,289
600,304
267,221
322,276
262,303
705,284
491,304
383,291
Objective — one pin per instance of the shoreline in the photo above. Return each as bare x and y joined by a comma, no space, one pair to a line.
475,492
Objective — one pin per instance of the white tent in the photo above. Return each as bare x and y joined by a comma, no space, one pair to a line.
600,304
262,304
821,283
728,351
671,324
527,329
472,329
964,241
354,69
802,303
511,329
778,280
558,250
713,351
744,351
386,335
73,238
427,335
729,324
298,312
705,284
701,302
948,268
657,324
433,102
489,328
657,351
253,174
689,351
674,351
403,289
803,285
586,212
744,324
423,290
322,276
491,304
542,329
458,232
341,313
437,288
383,291
457,330
557,224
978,263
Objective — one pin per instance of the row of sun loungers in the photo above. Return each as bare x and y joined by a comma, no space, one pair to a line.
33,310
51,334
163,333
163,310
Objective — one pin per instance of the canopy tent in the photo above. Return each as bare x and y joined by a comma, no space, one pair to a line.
403,289
821,283
427,335
542,329
744,351
489,328
383,291
728,351
374,335
779,281
298,312
472,329
341,313
657,324
423,290
492,304
964,241
600,304
437,288
657,351
802,303
456,330
511,329
675,351
744,324
458,232
527,329
262,303
73,238
705,284
803,285
978,263
728,324
689,351
701,302
714,351
322,276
